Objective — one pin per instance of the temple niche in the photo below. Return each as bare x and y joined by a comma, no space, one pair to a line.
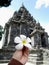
22,23
40,36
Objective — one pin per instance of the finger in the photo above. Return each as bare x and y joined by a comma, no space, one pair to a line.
25,51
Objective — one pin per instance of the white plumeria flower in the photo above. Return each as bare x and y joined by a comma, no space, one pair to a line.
22,41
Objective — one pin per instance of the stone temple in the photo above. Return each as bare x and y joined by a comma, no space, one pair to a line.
23,23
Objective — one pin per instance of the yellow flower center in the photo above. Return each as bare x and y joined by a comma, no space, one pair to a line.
23,41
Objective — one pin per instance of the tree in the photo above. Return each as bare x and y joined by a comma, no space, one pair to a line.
1,32
5,3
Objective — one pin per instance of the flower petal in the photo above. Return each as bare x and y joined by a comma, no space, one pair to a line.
28,39
19,46
17,40
22,37
28,46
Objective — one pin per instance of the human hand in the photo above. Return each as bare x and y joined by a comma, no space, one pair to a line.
21,55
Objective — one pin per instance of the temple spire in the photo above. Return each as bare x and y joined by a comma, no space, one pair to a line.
22,4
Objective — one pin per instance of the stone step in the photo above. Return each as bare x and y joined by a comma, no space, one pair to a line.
4,61
34,55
